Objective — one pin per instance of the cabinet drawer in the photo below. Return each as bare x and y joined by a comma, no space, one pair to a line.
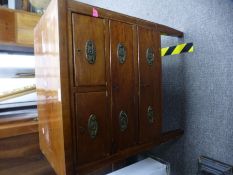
89,50
92,127
150,82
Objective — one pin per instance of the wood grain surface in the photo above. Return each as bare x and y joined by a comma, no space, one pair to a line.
21,155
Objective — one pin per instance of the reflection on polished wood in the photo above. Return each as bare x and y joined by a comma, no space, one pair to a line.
48,84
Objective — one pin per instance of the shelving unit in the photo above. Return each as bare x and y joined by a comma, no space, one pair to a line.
17,30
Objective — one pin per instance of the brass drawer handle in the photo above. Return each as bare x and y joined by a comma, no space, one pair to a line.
150,56
93,126
123,121
150,114
90,52
121,53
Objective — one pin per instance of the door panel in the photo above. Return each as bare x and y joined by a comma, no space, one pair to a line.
150,82
89,50
92,130
124,114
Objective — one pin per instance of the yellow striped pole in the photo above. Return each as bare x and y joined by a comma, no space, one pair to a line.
175,50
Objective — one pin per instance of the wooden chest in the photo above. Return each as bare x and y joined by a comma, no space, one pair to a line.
98,84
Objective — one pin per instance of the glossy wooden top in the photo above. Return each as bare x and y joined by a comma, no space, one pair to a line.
86,9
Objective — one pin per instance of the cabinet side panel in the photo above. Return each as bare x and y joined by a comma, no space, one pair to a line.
48,84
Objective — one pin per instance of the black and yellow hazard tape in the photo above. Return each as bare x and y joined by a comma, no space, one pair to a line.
175,50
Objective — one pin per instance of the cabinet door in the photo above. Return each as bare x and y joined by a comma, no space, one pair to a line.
150,85
124,113
92,127
89,50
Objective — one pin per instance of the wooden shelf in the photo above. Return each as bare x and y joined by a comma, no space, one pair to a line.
17,29
22,126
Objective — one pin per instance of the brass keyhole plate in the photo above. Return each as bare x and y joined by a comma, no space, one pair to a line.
90,52
150,114
93,126
150,56
123,121
121,53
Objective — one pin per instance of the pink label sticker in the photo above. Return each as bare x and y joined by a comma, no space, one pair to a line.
95,13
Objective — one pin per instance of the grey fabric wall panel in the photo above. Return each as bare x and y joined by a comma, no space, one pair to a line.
198,87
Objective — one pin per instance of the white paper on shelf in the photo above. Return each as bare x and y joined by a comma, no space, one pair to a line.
147,166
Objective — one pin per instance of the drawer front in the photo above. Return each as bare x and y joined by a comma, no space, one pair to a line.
124,114
92,127
89,50
150,85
